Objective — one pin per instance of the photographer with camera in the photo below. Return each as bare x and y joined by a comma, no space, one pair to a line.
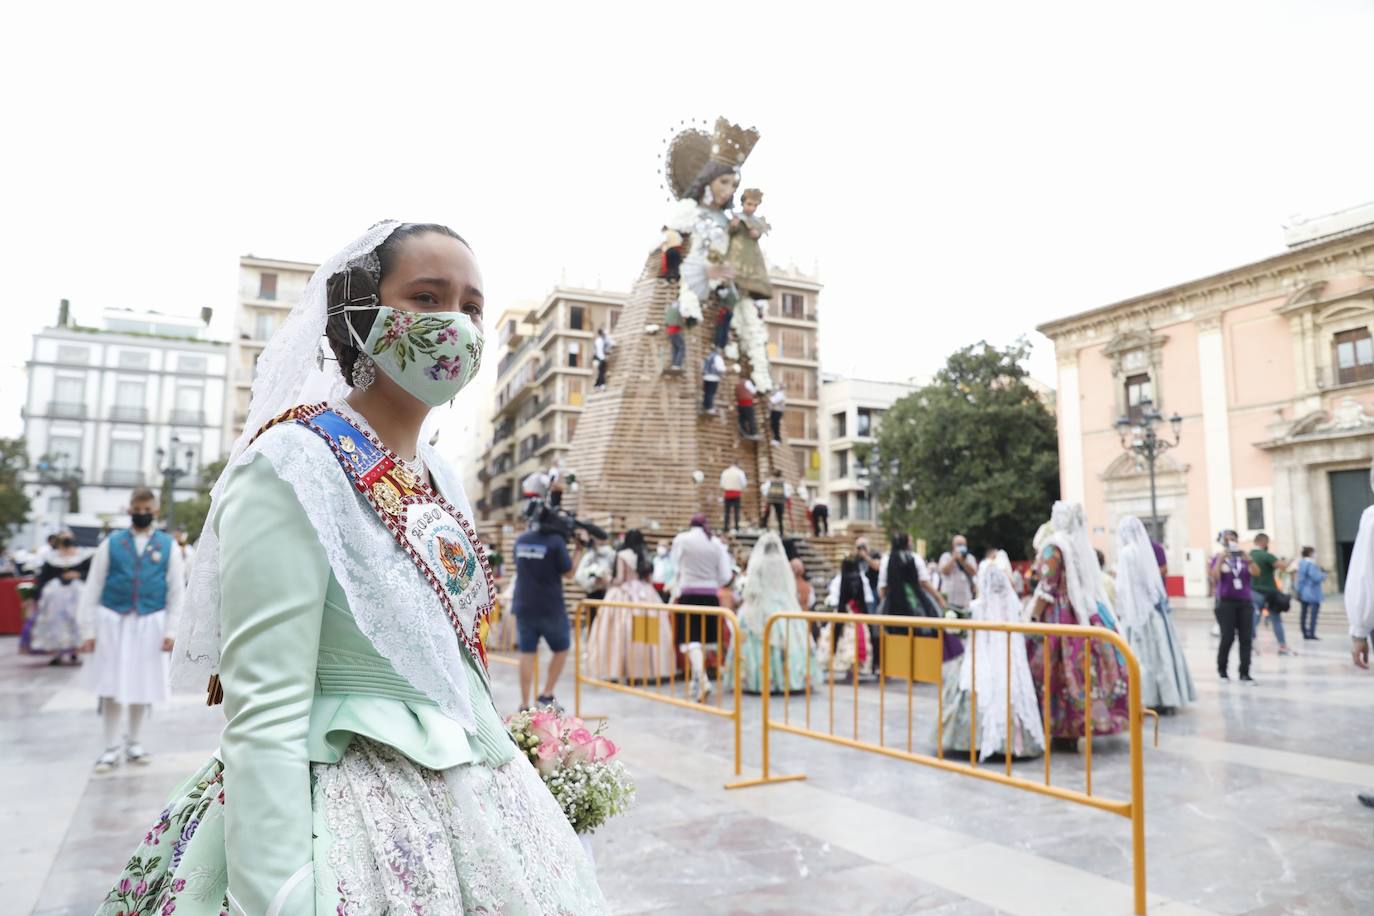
542,563
957,570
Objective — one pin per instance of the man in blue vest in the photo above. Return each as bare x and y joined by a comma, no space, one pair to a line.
128,616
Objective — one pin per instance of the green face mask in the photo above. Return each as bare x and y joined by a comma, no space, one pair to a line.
432,355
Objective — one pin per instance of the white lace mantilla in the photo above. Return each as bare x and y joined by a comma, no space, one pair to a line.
393,605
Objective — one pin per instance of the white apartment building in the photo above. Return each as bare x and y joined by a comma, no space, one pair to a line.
102,401
851,410
268,289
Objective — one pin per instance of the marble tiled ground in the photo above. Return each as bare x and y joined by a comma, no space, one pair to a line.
1250,800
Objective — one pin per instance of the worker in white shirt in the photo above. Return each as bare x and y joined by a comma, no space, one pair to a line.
732,484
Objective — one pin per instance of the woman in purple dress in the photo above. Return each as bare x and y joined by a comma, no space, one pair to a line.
1070,592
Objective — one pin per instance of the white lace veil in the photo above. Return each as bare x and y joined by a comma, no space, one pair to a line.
997,601
286,376
1082,575
770,585
1138,585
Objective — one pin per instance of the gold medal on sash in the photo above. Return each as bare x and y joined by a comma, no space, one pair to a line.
388,497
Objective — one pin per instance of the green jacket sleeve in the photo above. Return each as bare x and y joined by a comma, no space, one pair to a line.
273,576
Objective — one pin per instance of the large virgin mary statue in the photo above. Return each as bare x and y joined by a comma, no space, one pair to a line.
703,173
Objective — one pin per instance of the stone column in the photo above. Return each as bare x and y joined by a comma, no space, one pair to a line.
1071,481
1211,356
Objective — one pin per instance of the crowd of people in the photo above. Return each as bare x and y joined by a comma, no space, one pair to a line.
369,767
1065,583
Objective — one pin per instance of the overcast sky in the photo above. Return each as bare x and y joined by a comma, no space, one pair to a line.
955,173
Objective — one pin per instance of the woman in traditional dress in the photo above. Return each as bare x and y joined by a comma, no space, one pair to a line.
1142,607
906,591
613,652
770,587
56,627
1070,591
996,601
363,767
846,643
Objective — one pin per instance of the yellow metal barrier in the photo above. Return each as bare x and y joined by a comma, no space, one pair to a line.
502,642
911,662
644,623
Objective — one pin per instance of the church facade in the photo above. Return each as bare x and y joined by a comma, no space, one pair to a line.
1270,369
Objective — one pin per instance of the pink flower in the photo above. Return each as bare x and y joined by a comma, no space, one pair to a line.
603,750
125,885
169,908
580,736
140,888
550,756
179,885
448,335
545,726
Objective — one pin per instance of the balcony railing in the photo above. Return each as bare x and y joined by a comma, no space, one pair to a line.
71,410
188,418
128,414
117,478
542,370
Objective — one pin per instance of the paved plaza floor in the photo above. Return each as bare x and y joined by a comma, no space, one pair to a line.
1250,801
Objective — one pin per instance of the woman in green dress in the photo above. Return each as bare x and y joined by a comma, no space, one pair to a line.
337,596
770,587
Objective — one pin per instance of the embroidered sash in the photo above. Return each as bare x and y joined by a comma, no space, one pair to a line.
437,538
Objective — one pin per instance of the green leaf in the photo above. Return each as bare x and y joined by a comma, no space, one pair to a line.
977,454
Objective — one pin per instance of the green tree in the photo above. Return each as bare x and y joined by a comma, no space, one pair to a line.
190,514
974,452
14,505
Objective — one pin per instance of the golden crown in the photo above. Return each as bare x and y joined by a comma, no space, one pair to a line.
689,152
732,144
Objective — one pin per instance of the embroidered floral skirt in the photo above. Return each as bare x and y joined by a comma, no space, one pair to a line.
392,837
1069,707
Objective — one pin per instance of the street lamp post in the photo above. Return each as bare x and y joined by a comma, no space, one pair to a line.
1139,437
172,472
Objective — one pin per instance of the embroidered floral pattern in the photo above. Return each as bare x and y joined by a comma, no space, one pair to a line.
406,839
150,884
445,368
411,335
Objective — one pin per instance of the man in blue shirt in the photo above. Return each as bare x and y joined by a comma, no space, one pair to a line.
541,564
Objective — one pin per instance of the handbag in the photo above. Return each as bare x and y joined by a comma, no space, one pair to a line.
1279,602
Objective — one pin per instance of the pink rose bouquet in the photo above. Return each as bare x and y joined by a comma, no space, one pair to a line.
577,764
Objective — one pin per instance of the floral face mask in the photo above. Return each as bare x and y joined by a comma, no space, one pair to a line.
432,355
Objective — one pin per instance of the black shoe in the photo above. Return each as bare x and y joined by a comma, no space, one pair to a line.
1366,799
1065,745
550,701
1248,680
1224,678
1314,636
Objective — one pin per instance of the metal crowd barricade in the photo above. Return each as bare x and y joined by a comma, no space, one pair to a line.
641,625
502,642
911,659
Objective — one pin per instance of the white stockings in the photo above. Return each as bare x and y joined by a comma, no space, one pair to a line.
111,712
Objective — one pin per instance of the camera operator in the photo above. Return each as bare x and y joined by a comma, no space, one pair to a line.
541,564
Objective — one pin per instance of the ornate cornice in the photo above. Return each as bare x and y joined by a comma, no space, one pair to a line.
1289,275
